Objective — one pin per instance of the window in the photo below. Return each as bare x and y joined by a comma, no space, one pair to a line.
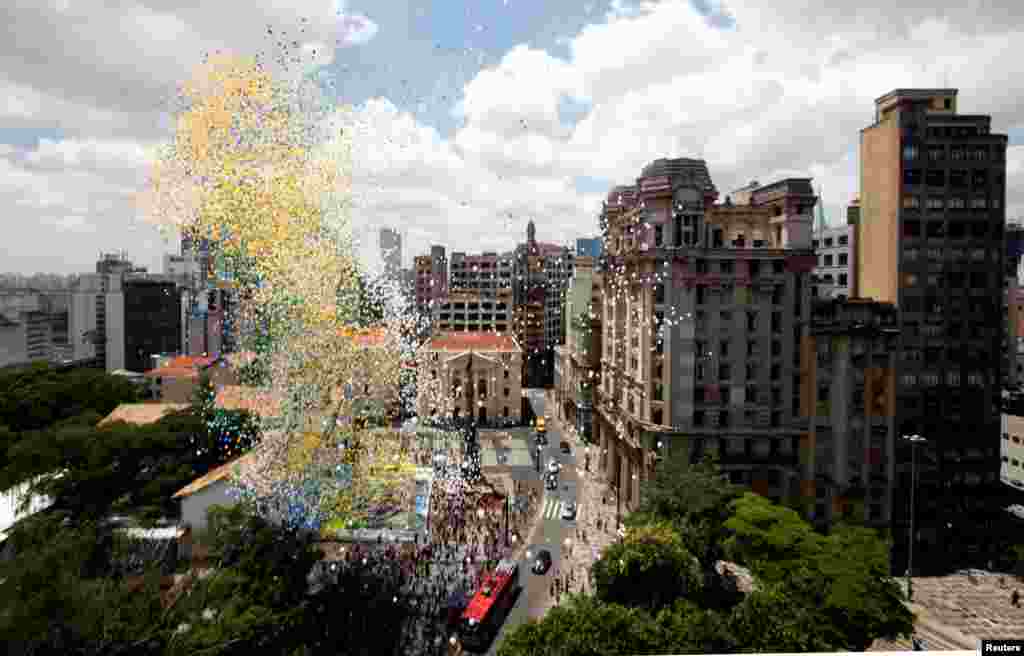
958,153
776,348
723,418
958,178
936,229
843,279
751,394
911,202
828,260
935,178
726,266
504,411
979,153
724,372
843,259
911,177
912,228
659,294
776,372
979,203
723,348
936,203
936,153
814,243
828,242
506,391
910,152
698,417
659,236
979,178
957,203
506,374
844,240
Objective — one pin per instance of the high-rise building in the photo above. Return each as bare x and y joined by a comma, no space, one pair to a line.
703,308
930,241
143,319
391,252
848,388
431,279
541,274
488,274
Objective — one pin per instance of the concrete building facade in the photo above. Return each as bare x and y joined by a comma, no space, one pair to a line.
702,311
474,312
431,279
930,240
833,247
848,394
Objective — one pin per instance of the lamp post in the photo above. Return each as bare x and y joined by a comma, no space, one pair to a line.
538,457
914,440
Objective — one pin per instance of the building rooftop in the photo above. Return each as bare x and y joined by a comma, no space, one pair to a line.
141,414
227,470
915,94
473,341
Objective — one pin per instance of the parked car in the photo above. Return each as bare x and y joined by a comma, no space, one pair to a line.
554,467
551,482
543,562
565,448
569,511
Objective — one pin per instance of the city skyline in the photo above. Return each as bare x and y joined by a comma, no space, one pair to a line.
476,119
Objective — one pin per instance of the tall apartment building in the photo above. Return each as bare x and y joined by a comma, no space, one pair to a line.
431,278
391,252
930,240
848,394
143,319
120,315
541,272
703,308
474,312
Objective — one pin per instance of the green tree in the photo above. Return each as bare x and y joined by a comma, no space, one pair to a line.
584,626
650,568
689,628
841,579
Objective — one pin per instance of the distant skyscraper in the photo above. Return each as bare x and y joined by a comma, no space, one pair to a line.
391,251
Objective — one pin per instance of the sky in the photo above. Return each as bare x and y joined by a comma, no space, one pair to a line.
482,114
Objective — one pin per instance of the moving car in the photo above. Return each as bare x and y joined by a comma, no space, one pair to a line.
551,482
565,448
569,510
543,562
554,467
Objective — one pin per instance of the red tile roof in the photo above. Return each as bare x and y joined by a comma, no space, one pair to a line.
182,366
473,341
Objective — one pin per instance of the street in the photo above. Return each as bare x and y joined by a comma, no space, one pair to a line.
550,533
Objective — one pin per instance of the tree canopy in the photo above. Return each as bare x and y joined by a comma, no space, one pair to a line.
812,591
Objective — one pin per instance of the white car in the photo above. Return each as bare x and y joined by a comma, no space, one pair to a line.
554,467
569,511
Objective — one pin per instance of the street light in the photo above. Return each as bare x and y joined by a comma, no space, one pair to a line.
538,457
914,440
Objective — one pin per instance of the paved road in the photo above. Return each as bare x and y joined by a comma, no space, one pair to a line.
550,533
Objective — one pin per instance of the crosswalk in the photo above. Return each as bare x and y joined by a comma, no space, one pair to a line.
553,509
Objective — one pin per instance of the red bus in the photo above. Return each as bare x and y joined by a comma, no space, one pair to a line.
489,606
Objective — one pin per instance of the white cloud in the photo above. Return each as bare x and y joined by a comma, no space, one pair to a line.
786,91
